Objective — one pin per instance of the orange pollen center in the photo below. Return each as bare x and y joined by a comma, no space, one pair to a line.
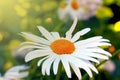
62,46
75,5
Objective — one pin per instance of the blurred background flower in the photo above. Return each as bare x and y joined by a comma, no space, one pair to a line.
82,9
15,74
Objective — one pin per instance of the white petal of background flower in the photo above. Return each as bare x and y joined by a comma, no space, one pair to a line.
15,73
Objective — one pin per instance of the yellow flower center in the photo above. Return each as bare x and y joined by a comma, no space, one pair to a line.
75,4
62,46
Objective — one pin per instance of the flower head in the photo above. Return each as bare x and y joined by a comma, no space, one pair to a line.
82,9
15,74
72,52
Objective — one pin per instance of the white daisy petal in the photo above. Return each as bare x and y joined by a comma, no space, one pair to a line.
80,33
86,58
45,33
29,43
87,63
55,35
35,54
49,65
31,47
99,50
89,40
35,38
70,31
77,62
92,44
105,40
44,66
66,66
100,56
91,66
98,44
41,60
55,65
76,70
33,43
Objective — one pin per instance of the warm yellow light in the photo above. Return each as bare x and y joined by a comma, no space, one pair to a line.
117,26
104,12
1,37
7,65
20,10
48,20
14,44
37,8
108,2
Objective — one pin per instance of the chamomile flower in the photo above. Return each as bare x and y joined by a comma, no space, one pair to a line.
15,74
82,9
72,52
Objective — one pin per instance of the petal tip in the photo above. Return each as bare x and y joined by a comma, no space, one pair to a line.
88,29
40,27
27,59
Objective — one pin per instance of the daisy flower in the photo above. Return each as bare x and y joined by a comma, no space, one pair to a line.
82,9
15,74
72,52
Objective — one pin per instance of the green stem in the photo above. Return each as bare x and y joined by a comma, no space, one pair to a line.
59,71
117,52
114,54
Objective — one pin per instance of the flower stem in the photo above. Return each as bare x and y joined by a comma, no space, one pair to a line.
59,71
